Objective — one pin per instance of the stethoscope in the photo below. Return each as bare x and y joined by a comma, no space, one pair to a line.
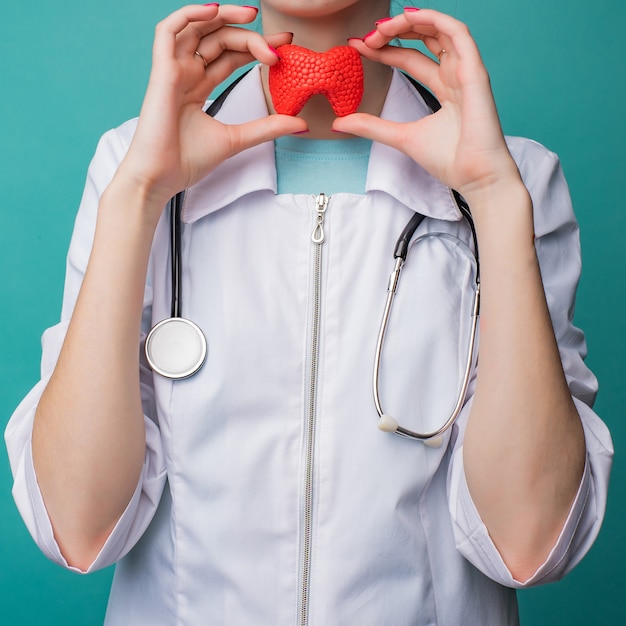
385,421
176,347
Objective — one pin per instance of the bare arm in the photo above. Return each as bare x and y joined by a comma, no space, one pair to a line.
524,449
88,434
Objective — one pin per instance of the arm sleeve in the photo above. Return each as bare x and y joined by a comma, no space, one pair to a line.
27,495
558,250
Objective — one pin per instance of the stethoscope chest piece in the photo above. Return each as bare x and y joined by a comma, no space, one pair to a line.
176,348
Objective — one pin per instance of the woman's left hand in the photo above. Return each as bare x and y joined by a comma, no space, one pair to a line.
462,144
523,446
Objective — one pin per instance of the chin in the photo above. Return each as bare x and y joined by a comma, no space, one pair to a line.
312,8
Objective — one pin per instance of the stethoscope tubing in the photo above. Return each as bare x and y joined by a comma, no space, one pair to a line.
166,338
176,204
386,422
176,347
400,430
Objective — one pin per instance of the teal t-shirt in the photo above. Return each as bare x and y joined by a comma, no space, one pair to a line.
327,166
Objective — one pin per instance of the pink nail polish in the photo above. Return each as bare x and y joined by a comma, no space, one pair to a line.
369,34
274,51
301,132
247,6
384,19
212,4
411,9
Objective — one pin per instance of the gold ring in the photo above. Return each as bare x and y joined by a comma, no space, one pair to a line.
206,64
443,51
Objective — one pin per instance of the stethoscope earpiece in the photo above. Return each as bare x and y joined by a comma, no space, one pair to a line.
433,442
387,424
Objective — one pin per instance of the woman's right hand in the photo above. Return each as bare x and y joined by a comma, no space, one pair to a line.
89,433
176,143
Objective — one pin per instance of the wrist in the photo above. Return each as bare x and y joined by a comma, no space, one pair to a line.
495,186
502,201
133,201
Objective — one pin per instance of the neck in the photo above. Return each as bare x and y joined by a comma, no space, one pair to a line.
319,33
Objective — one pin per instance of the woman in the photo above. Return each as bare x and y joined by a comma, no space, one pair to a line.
258,491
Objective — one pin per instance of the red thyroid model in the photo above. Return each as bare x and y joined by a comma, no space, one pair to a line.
301,73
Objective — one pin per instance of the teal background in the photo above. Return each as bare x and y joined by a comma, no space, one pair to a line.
70,70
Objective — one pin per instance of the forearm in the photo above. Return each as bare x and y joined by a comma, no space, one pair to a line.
88,434
524,448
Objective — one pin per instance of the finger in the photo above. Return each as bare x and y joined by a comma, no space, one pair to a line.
253,133
190,36
229,60
452,34
392,28
279,39
376,39
433,44
236,40
236,14
428,25
412,61
220,69
437,45
261,48
167,30
371,127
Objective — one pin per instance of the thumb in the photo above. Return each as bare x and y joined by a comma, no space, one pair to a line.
265,129
371,127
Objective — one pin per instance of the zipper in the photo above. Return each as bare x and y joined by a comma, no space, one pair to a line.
317,237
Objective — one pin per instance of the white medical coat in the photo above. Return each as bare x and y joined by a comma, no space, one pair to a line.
212,535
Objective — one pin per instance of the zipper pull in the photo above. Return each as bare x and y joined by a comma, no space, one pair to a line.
321,202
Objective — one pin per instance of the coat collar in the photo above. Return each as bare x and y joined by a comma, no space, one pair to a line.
389,171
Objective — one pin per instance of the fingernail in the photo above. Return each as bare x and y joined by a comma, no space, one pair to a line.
248,6
354,39
212,4
411,9
384,19
301,132
274,51
369,34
